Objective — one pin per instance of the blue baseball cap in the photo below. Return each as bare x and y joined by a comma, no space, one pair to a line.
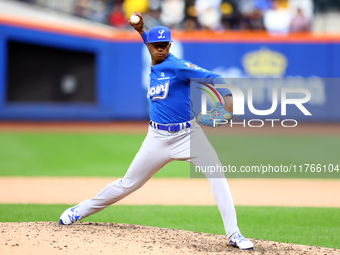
159,34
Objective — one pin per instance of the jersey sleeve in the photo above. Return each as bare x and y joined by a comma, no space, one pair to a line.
223,91
145,36
186,71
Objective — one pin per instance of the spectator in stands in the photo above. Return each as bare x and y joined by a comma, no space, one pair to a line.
256,20
172,13
209,14
306,6
117,17
251,14
299,22
277,19
81,8
190,16
229,10
246,8
152,16
98,11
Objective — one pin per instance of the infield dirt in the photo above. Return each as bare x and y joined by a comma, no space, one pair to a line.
111,238
159,191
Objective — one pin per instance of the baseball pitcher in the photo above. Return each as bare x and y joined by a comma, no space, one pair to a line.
171,128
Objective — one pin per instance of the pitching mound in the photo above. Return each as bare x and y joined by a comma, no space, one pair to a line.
111,238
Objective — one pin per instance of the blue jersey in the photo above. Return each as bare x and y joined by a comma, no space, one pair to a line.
169,88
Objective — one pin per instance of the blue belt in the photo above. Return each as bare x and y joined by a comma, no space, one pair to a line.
170,127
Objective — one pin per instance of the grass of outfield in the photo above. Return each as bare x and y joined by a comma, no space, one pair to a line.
111,154
309,226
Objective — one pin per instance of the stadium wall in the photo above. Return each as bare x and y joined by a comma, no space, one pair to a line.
120,69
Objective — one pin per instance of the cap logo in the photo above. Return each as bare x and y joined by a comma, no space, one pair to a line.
161,36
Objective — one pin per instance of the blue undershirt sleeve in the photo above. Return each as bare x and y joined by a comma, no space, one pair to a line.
145,36
219,80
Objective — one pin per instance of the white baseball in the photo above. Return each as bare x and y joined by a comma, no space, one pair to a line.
134,19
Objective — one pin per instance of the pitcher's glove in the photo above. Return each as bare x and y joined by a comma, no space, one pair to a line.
216,117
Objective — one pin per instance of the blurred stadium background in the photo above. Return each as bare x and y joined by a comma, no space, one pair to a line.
80,60
296,15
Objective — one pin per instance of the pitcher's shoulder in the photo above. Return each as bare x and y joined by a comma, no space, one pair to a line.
183,63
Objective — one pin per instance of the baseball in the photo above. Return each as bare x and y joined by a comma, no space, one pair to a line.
134,19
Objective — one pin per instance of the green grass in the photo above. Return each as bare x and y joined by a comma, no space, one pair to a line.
74,155
111,154
279,150
309,226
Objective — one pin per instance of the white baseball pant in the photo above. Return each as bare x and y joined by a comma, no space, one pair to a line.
159,148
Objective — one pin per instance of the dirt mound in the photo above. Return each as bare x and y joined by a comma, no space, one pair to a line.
112,238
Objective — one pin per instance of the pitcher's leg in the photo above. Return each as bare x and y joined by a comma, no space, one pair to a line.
204,155
151,157
225,204
224,200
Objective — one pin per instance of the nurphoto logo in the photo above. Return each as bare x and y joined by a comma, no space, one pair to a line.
239,106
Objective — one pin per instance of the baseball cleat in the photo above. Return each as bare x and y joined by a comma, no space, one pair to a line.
241,242
71,215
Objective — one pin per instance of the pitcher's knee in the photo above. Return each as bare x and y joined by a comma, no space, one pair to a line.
130,187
